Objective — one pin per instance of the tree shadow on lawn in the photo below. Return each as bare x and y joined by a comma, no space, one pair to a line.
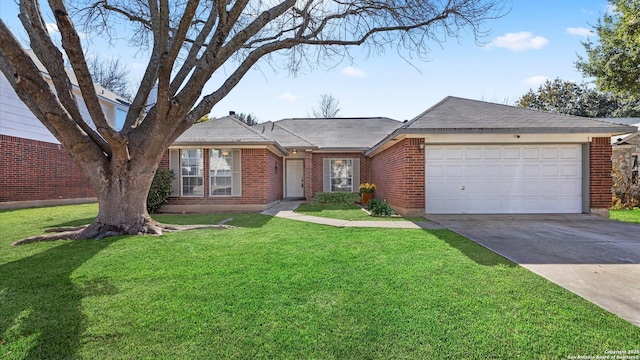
41,313
472,250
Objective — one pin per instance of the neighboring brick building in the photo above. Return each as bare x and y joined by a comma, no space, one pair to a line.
35,170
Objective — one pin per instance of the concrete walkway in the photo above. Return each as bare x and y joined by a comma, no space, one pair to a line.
286,210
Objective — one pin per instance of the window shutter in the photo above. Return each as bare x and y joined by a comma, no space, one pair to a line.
236,173
174,164
326,175
356,175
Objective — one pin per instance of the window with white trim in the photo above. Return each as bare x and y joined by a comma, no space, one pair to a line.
191,172
341,175
220,172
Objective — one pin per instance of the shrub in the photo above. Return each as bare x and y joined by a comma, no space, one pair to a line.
160,189
335,198
379,208
626,188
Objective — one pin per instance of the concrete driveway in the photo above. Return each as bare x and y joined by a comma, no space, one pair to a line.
596,258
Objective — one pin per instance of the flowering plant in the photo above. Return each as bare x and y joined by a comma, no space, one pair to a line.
367,188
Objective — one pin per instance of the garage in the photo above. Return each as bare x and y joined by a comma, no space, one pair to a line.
503,179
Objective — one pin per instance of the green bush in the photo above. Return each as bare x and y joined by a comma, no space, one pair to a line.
335,198
379,208
160,189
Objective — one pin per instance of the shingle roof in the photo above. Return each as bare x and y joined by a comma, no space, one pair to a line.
283,136
337,133
226,131
456,115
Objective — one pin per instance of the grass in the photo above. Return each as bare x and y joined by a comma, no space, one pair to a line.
346,212
626,215
275,288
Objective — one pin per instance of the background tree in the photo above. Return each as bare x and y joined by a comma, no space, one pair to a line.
567,97
614,60
111,74
187,42
248,119
328,107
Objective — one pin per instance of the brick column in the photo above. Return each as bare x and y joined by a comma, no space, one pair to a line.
308,175
600,174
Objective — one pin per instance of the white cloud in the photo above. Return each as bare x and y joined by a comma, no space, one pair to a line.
288,97
579,31
536,80
353,72
520,41
52,27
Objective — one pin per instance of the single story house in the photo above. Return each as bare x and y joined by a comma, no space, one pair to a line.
459,156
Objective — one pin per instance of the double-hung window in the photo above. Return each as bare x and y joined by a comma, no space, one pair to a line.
220,172
341,175
224,168
191,172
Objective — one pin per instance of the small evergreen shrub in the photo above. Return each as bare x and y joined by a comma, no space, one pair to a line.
160,189
379,208
335,198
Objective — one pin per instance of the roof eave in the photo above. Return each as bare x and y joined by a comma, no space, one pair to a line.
235,144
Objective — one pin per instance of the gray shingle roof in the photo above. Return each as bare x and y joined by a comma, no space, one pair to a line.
338,133
283,136
456,115
225,131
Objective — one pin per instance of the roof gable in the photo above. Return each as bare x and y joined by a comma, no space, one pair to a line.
457,115
226,130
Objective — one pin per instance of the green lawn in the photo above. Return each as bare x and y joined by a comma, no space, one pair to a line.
346,212
626,215
275,288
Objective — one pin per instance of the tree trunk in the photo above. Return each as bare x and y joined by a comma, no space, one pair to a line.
122,201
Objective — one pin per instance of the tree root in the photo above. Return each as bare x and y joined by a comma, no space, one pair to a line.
98,232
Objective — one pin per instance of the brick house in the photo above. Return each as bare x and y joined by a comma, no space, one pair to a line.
459,156
35,170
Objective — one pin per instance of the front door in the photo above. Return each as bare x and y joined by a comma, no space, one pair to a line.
295,179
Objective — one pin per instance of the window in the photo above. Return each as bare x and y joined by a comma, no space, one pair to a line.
121,115
341,175
191,172
220,172
224,172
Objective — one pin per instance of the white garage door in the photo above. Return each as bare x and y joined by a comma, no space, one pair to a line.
503,179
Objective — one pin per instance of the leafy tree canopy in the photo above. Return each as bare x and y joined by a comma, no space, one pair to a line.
614,60
566,97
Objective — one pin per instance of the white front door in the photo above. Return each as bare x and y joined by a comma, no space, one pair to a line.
490,179
295,178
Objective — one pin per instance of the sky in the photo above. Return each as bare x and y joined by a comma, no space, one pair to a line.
534,41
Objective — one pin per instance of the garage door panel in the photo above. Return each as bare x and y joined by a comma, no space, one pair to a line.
503,179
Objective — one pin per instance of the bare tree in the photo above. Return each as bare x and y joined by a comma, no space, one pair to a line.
328,107
111,74
188,41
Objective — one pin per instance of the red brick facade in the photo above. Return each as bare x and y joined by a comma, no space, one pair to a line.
600,173
32,170
262,181
313,170
399,176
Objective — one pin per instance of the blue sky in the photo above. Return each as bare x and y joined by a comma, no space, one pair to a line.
536,40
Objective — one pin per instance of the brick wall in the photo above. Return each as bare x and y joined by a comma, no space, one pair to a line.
32,170
600,173
261,182
399,177
314,170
